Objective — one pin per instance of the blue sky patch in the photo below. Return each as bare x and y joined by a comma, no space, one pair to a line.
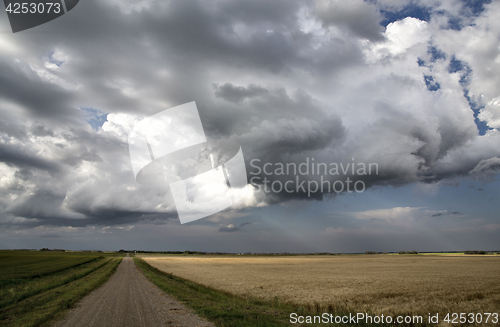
435,53
461,67
473,7
458,66
52,60
431,84
470,8
476,108
455,23
94,117
412,10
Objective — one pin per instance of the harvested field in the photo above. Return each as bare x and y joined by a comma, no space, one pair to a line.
382,283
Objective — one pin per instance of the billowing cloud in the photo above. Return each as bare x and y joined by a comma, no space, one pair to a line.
359,17
289,80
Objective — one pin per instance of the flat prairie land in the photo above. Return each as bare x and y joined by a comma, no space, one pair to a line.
389,284
29,264
37,286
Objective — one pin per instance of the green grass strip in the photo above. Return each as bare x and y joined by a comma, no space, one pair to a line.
36,266
26,288
40,309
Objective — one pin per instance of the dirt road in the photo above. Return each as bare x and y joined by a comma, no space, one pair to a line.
128,299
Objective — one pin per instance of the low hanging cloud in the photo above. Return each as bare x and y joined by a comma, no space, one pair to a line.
232,93
232,227
400,214
446,213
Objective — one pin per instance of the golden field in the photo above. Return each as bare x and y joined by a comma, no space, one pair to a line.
388,284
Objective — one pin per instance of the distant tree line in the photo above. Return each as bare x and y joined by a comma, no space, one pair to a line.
63,250
477,252
408,252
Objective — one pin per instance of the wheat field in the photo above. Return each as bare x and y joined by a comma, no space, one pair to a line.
388,284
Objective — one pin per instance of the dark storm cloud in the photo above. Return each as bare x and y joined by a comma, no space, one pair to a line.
114,217
16,157
24,174
185,37
19,84
274,126
42,204
275,119
18,132
446,213
262,73
232,93
41,130
228,33
359,17
188,38
229,228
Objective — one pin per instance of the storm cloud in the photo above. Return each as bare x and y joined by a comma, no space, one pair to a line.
288,80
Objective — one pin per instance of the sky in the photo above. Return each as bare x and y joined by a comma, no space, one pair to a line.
408,88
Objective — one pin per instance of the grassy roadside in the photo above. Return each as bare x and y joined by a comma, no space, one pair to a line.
228,310
40,309
16,290
37,264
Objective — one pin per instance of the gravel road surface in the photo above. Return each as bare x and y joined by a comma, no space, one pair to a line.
128,299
